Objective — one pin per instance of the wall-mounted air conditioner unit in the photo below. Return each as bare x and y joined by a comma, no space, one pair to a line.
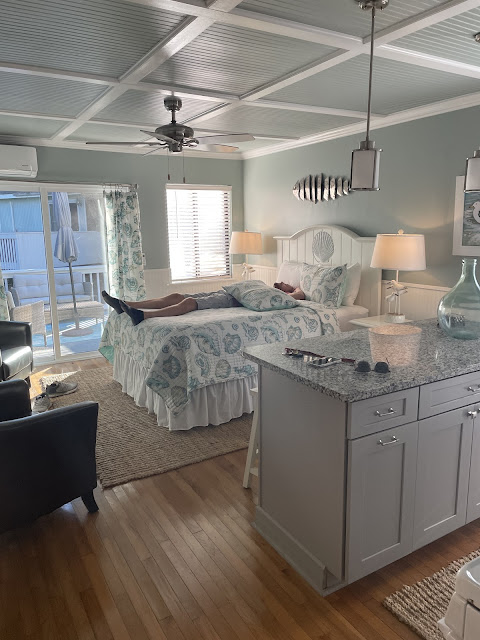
18,162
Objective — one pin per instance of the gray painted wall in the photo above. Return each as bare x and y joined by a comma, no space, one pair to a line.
98,167
419,165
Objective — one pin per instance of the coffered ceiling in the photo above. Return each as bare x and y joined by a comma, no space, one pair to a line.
291,72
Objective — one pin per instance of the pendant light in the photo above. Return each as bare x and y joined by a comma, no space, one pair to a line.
366,159
472,173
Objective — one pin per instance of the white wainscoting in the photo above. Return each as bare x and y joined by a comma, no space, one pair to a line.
265,274
158,283
420,302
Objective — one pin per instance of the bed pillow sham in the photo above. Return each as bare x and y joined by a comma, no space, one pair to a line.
289,273
352,286
257,296
324,285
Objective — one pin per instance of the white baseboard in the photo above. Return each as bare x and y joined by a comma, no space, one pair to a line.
420,302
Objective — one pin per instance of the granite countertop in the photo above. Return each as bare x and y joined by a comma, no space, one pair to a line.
439,357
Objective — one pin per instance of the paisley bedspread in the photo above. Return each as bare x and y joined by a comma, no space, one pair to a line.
203,348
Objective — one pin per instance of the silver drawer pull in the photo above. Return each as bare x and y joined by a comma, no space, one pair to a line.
472,414
392,441
389,412
474,389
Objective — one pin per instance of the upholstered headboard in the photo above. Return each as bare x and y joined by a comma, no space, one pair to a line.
329,244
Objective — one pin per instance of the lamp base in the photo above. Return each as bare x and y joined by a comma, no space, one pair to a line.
395,318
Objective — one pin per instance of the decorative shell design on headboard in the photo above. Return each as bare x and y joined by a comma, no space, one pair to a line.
323,246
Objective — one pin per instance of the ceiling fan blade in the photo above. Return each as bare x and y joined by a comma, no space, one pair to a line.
217,148
234,137
130,144
159,136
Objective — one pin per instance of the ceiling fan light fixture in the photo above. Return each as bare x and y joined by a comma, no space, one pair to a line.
365,169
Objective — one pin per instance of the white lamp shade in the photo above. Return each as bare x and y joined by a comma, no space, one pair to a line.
400,252
247,242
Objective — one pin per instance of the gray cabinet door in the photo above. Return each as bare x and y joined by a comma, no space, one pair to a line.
381,498
473,504
443,464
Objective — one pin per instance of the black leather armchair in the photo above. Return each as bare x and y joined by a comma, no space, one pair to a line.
16,351
47,459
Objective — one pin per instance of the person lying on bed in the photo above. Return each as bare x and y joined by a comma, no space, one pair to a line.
177,304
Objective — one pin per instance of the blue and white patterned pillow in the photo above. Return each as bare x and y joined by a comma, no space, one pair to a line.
325,285
257,296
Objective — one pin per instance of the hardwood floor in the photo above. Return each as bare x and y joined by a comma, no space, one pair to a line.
174,557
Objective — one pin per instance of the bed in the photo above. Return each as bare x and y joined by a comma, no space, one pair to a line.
189,370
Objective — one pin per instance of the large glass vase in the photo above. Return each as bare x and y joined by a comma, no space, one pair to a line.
459,309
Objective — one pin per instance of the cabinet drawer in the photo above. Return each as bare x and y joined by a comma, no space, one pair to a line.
382,412
438,397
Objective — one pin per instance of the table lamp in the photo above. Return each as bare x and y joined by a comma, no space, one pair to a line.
247,243
400,252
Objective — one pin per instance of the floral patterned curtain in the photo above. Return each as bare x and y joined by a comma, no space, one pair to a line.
124,245
4,315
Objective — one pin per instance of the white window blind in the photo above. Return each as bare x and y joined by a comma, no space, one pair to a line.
199,231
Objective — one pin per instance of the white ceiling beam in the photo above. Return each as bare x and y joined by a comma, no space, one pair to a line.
426,111
299,74
383,37
211,113
185,92
39,116
182,35
290,106
47,72
424,20
430,62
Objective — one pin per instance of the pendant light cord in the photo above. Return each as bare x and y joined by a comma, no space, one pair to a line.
370,81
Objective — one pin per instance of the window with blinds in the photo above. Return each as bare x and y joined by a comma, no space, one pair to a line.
199,221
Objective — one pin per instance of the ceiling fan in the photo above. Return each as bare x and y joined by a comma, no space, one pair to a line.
176,137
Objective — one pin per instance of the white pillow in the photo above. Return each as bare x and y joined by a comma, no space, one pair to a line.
354,274
289,273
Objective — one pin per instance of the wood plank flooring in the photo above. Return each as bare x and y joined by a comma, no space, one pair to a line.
174,557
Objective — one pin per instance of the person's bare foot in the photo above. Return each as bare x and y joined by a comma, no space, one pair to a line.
113,302
136,315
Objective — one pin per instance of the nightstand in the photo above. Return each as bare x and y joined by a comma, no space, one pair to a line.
375,321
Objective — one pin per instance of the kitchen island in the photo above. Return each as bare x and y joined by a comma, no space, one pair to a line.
359,469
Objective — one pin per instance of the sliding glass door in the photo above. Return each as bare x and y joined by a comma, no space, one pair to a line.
53,257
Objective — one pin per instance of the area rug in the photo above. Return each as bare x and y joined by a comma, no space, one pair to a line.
423,604
130,444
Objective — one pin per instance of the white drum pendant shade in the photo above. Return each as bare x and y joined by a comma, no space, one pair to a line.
365,169
472,173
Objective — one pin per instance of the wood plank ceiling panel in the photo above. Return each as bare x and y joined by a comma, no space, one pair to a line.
279,122
339,15
46,96
397,86
452,39
236,60
104,37
143,108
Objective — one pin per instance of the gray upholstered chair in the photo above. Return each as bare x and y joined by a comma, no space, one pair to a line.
47,459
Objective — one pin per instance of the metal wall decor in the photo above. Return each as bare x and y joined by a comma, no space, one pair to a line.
321,188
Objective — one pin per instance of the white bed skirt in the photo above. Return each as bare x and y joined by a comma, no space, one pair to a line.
215,404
